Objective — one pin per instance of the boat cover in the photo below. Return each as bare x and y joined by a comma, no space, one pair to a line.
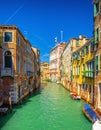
91,112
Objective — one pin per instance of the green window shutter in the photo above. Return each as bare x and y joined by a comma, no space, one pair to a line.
94,10
98,34
99,62
96,62
95,36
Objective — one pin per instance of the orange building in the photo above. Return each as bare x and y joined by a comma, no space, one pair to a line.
36,67
45,71
17,64
97,41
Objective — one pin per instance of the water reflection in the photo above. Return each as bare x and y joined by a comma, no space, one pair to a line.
49,108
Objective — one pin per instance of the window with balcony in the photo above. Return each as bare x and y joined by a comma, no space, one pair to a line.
89,71
8,37
96,9
8,59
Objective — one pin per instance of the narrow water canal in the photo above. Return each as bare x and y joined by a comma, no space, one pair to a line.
51,108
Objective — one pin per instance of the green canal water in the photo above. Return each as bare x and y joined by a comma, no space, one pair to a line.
50,108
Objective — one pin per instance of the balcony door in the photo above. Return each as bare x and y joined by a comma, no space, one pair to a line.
7,59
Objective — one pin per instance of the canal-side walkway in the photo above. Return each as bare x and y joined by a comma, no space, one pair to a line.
50,108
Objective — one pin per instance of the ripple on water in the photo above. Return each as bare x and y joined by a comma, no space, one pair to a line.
50,108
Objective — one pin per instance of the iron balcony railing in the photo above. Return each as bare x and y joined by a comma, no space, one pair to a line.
88,73
7,72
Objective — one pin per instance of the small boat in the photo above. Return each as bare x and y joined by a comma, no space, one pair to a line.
75,96
3,110
90,113
96,125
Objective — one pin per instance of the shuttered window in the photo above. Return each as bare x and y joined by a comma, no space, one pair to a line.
96,9
97,62
96,36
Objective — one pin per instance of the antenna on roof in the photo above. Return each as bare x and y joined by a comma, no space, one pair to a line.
61,36
56,40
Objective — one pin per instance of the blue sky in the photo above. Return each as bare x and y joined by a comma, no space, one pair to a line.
42,20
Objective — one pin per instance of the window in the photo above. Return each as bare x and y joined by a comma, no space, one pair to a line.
77,42
25,84
96,35
97,63
24,66
96,9
84,86
83,53
92,46
73,70
18,42
0,42
90,69
83,67
8,37
8,59
99,94
86,49
89,92
18,59
89,89
77,70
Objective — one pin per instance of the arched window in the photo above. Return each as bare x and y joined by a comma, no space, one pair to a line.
8,59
